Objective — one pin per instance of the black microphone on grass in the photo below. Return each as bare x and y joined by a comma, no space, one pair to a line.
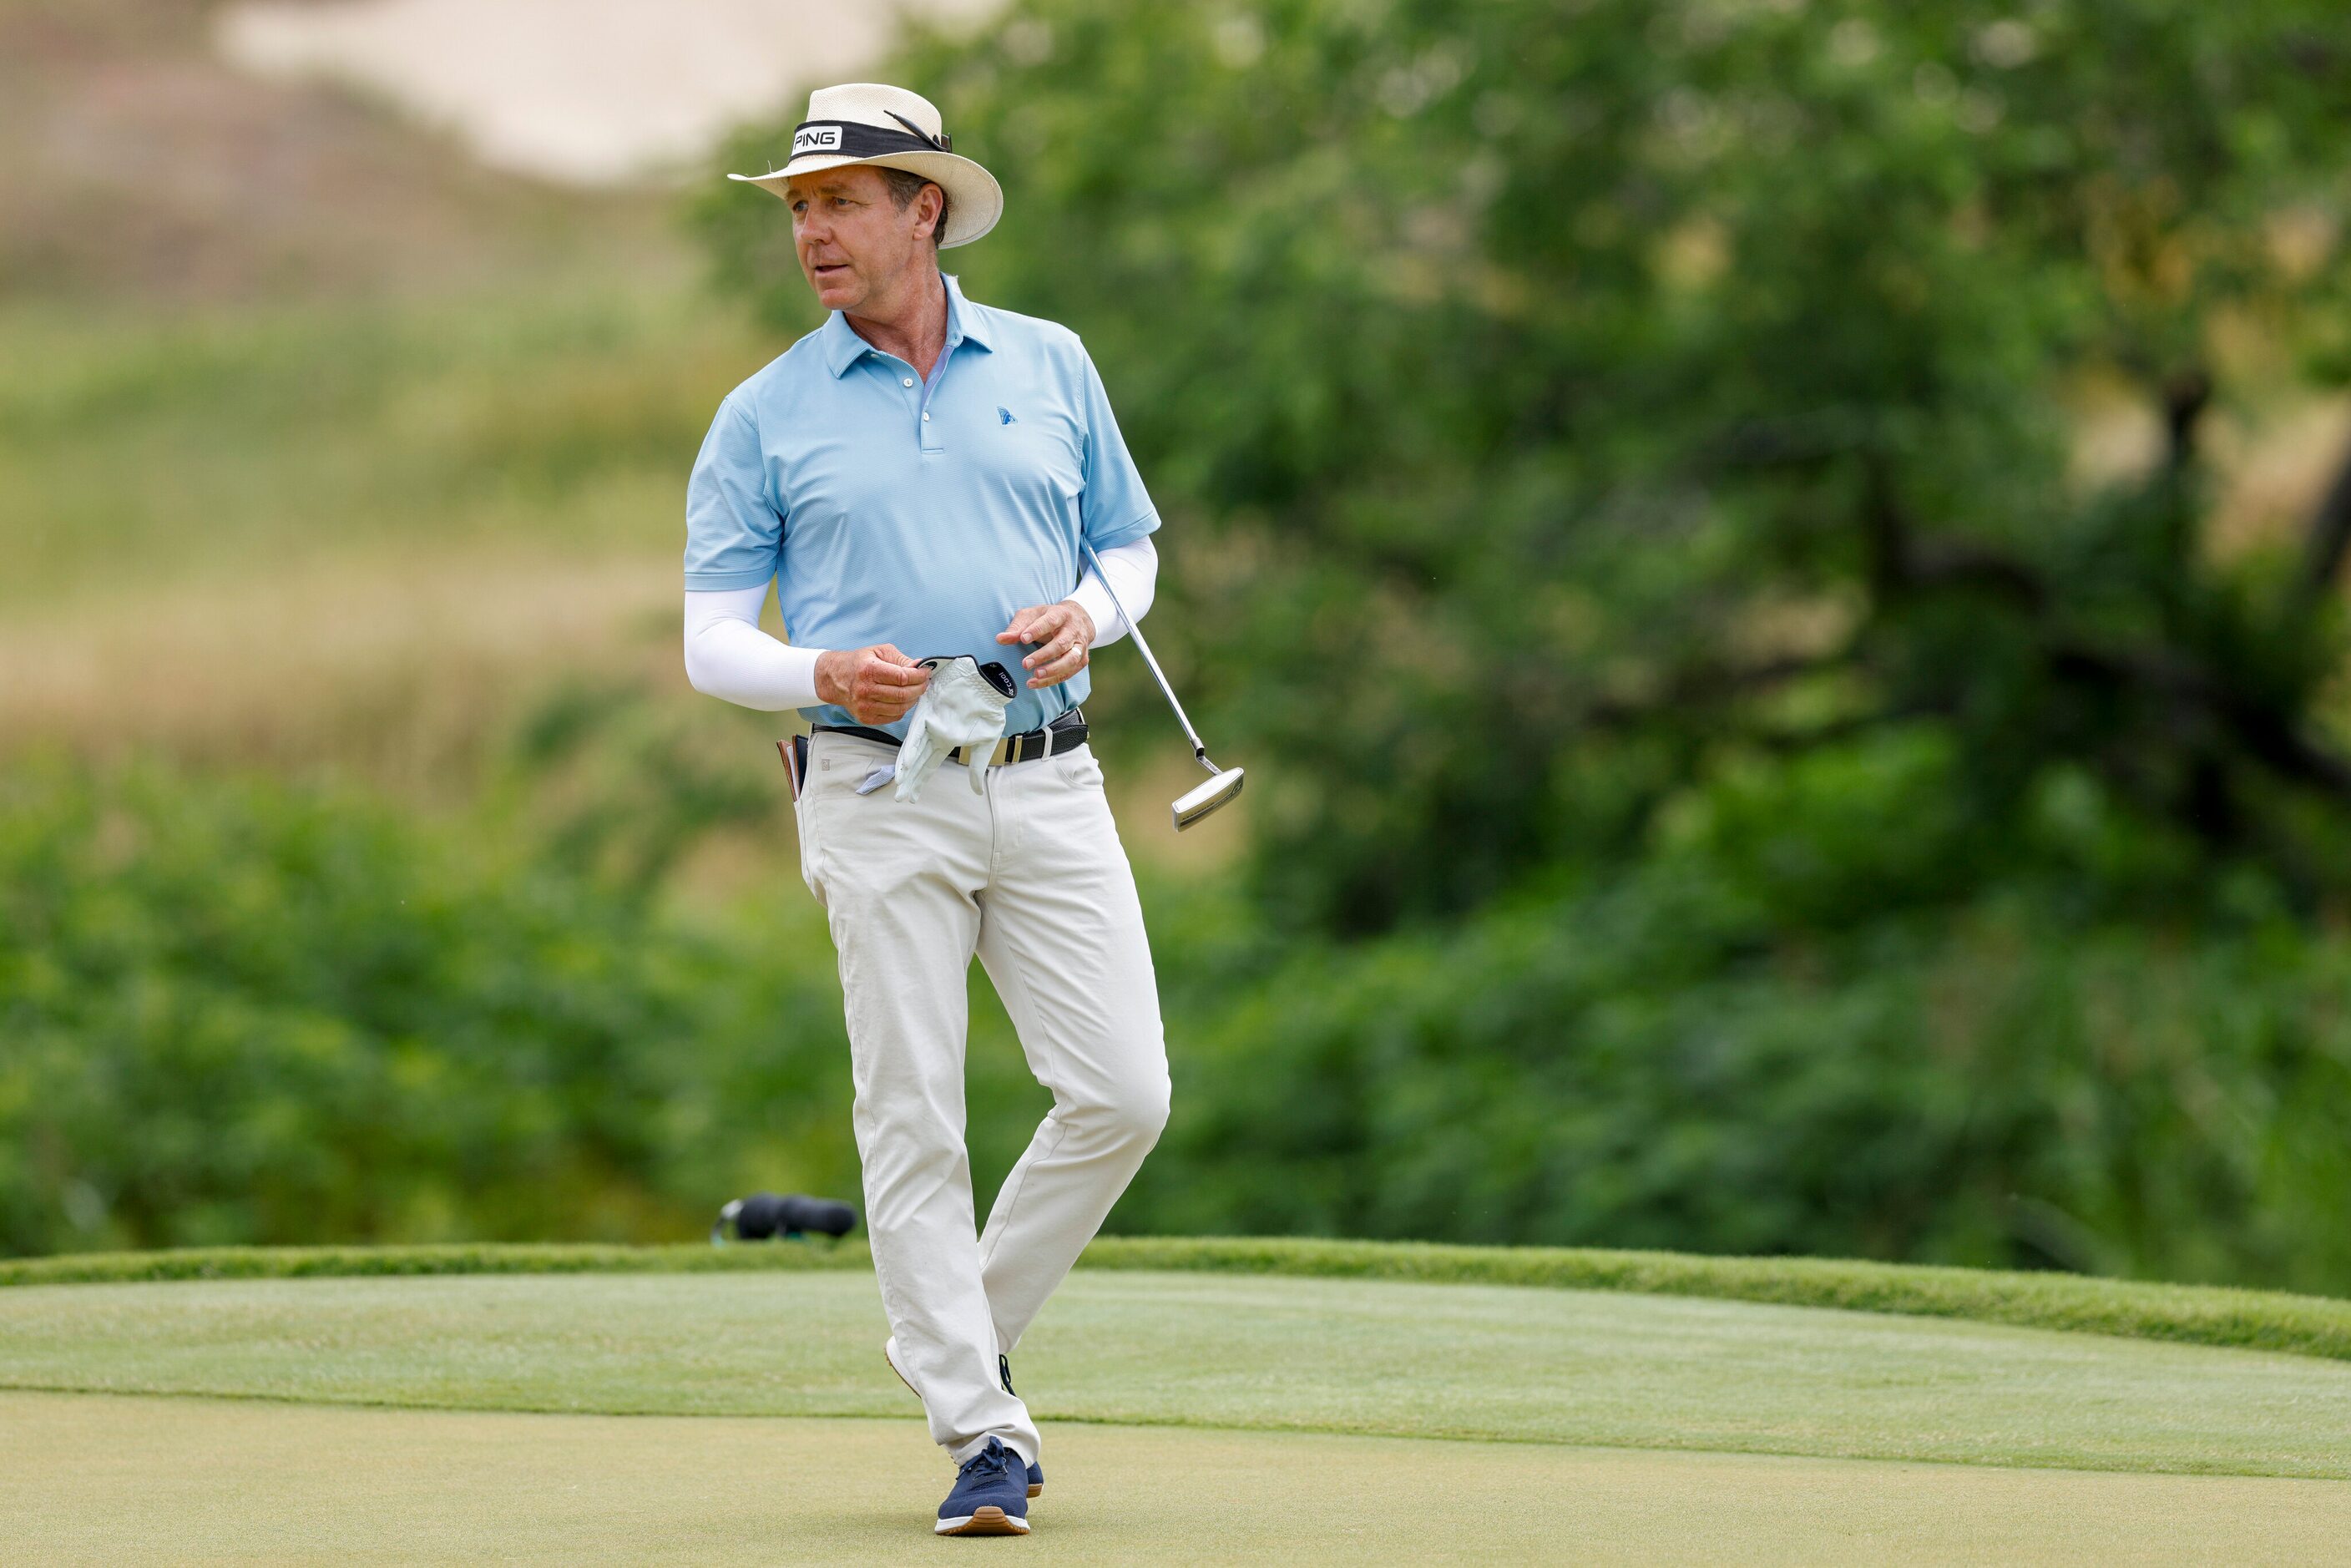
763,1215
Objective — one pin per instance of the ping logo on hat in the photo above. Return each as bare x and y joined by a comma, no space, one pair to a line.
815,138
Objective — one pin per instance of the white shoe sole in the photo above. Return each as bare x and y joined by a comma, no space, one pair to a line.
988,1520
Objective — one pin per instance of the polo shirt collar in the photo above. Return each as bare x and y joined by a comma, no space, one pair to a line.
843,348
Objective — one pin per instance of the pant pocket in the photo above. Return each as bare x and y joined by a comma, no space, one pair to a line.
811,852
1080,767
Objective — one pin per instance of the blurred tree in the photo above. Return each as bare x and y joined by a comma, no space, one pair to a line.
1558,403
231,1011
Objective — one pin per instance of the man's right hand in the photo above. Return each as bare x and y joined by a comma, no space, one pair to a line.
878,685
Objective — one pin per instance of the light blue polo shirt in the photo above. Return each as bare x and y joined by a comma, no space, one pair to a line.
889,509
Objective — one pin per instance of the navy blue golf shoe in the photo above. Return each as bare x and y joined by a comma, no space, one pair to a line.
1004,1370
991,1495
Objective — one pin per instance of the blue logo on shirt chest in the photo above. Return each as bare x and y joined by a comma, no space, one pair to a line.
1003,415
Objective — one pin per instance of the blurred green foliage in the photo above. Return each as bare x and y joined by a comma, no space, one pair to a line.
235,1013
1712,1053
240,1013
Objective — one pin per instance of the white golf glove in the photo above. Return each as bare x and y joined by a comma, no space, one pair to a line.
959,707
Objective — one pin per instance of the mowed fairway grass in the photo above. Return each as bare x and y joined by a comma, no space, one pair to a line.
745,1415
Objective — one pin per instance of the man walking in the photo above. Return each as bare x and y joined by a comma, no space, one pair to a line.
916,477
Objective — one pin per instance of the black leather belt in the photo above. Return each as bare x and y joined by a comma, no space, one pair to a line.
1063,733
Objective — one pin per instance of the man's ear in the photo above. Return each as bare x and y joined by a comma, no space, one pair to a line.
929,202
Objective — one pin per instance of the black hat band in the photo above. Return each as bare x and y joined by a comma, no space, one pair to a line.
853,139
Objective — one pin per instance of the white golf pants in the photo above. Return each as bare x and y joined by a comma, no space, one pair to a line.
1031,875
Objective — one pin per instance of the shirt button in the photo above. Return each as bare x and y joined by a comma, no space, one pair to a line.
926,419
908,381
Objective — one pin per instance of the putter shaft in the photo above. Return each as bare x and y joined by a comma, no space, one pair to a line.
1135,629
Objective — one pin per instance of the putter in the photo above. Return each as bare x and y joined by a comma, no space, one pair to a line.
1221,786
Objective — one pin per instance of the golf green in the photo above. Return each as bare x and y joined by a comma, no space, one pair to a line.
744,1416
189,1482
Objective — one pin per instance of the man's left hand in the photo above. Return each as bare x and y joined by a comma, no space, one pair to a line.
1064,630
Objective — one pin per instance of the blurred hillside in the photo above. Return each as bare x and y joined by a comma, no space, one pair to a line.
137,167
323,446
585,92
1778,568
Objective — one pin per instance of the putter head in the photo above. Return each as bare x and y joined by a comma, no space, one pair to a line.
1197,804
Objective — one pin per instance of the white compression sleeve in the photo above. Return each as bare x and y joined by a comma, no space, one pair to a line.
1134,571
726,654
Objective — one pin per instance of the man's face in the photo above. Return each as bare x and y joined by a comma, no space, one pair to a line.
854,243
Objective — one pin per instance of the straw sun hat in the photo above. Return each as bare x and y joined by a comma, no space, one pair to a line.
866,122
